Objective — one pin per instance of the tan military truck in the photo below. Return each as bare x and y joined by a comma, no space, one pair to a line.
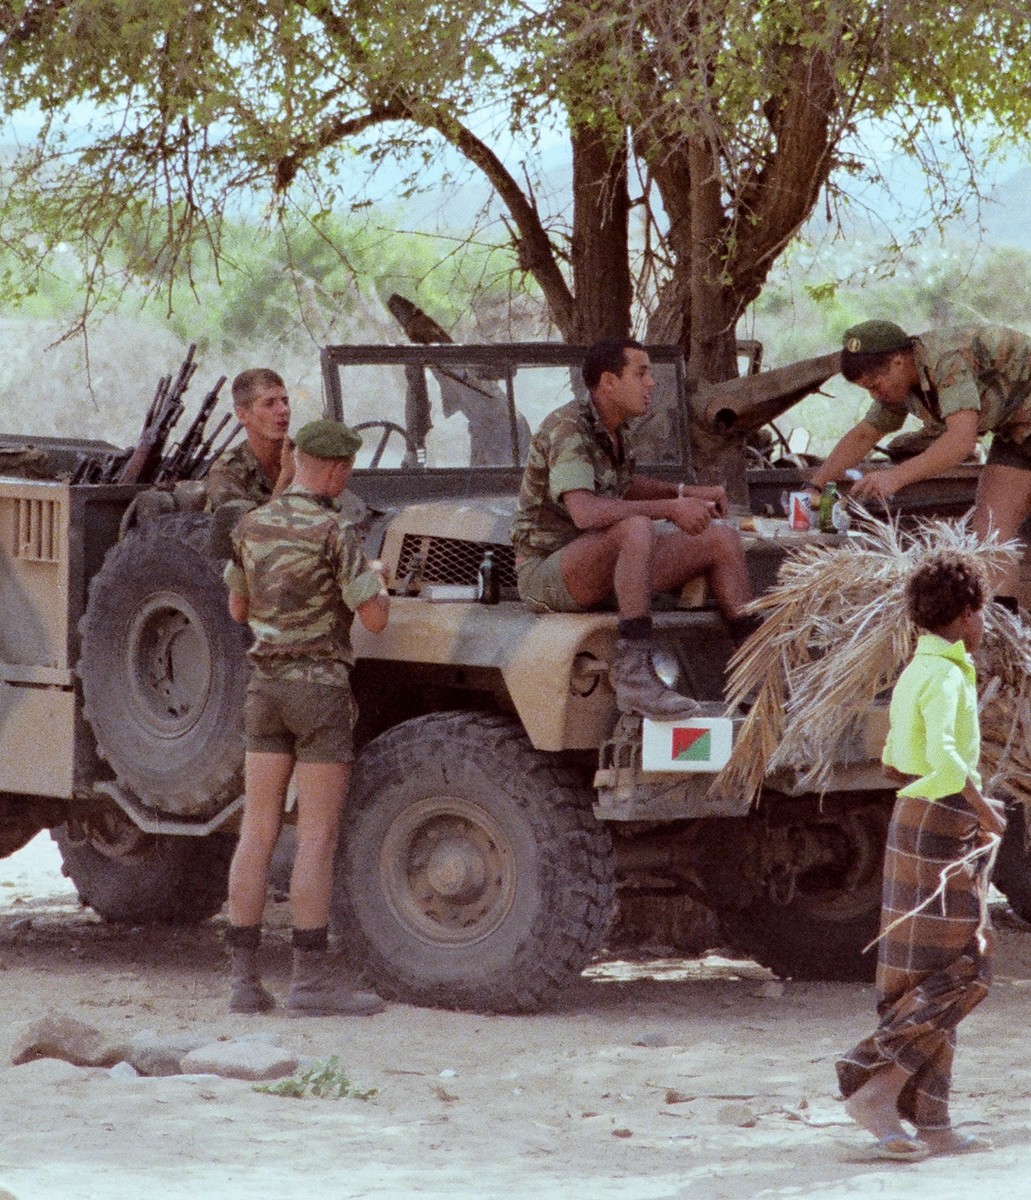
499,810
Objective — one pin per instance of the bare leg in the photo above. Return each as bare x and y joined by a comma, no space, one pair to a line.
631,561
617,559
1003,502
717,554
875,1104
266,777
321,791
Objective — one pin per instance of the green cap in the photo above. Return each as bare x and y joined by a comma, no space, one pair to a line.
875,337
327,439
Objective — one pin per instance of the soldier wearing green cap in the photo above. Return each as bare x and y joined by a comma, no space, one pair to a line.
961,383
298,577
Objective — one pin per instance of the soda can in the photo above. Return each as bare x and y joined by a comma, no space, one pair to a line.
800,515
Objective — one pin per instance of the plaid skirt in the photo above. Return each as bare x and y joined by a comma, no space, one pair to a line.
933,965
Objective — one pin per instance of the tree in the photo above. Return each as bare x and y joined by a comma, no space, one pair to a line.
702,134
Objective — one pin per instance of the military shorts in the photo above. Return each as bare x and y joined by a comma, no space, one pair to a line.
1006,453
542,587
312,721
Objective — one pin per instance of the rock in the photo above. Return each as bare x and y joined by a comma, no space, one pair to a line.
772,989
42,1073
160,1054
58,1035
652,1040
240,1060
123,1070
741,1115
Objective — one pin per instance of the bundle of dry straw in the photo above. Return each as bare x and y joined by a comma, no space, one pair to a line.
836,636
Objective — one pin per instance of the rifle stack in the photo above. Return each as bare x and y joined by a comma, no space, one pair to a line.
147,462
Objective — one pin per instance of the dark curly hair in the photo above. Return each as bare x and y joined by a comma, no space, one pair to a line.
943,587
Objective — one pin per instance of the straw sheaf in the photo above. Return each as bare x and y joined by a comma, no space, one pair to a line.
836,636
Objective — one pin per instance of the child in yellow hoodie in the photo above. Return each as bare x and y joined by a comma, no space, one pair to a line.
933,962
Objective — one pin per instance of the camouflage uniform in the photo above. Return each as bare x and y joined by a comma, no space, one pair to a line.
982,367
237,475
302,569
571,451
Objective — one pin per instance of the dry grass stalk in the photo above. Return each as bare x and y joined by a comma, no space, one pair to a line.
835,638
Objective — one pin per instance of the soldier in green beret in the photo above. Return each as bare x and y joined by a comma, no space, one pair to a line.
961,383
298,577
261,467
585,532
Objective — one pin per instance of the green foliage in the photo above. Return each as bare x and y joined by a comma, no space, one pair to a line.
164,127
324,1081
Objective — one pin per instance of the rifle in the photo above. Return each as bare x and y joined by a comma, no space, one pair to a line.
207,455
198,467
165,409
183,460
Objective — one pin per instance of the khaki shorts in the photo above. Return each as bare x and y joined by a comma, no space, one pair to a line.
1004,453
542,587
312,721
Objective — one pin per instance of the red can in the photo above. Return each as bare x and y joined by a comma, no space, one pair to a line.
800,515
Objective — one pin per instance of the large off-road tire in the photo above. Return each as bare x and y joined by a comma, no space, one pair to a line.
1012,875
164,669
472,872
823,930
182,881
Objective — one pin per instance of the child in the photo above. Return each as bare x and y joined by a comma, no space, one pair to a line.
933,955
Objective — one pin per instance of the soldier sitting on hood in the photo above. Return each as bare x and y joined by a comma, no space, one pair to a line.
585,527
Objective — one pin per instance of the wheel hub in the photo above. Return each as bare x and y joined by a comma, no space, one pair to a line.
448,871
455,869
170,665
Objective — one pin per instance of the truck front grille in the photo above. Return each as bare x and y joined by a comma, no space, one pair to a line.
449,560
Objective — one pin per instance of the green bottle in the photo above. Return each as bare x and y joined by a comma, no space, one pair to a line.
825,517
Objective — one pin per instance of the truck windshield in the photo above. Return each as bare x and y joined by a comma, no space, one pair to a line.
474,406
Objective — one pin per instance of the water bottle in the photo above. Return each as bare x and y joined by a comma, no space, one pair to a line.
489,587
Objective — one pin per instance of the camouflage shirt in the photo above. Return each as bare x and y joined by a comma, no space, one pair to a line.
237,475
982,367
571,451
301,567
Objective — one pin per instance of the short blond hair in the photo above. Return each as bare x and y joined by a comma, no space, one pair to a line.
249,383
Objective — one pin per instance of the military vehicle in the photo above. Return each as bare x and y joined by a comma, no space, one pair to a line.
499,810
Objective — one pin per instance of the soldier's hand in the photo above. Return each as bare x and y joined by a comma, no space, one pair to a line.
691,514
877,485
713,494
287,463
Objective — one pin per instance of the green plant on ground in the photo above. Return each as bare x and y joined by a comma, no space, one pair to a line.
325,1081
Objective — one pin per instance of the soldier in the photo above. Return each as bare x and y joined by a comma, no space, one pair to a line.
961,383
298,577
260,468
584,530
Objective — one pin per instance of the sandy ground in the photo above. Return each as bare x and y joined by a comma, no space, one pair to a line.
704,1080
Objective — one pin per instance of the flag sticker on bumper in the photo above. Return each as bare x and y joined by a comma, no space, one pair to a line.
699,744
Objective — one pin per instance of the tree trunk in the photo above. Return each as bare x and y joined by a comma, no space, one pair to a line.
601,237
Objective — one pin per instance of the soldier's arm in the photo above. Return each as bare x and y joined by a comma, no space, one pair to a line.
850,450
239,607
945,452
644,488
592,512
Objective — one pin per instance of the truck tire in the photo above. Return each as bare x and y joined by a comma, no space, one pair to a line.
823,930
164,669
182,881
1012,875
472,872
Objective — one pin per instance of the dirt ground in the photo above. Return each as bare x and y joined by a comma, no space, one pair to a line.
705,1080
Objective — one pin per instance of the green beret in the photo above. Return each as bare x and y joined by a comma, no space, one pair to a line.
875,337
327,439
